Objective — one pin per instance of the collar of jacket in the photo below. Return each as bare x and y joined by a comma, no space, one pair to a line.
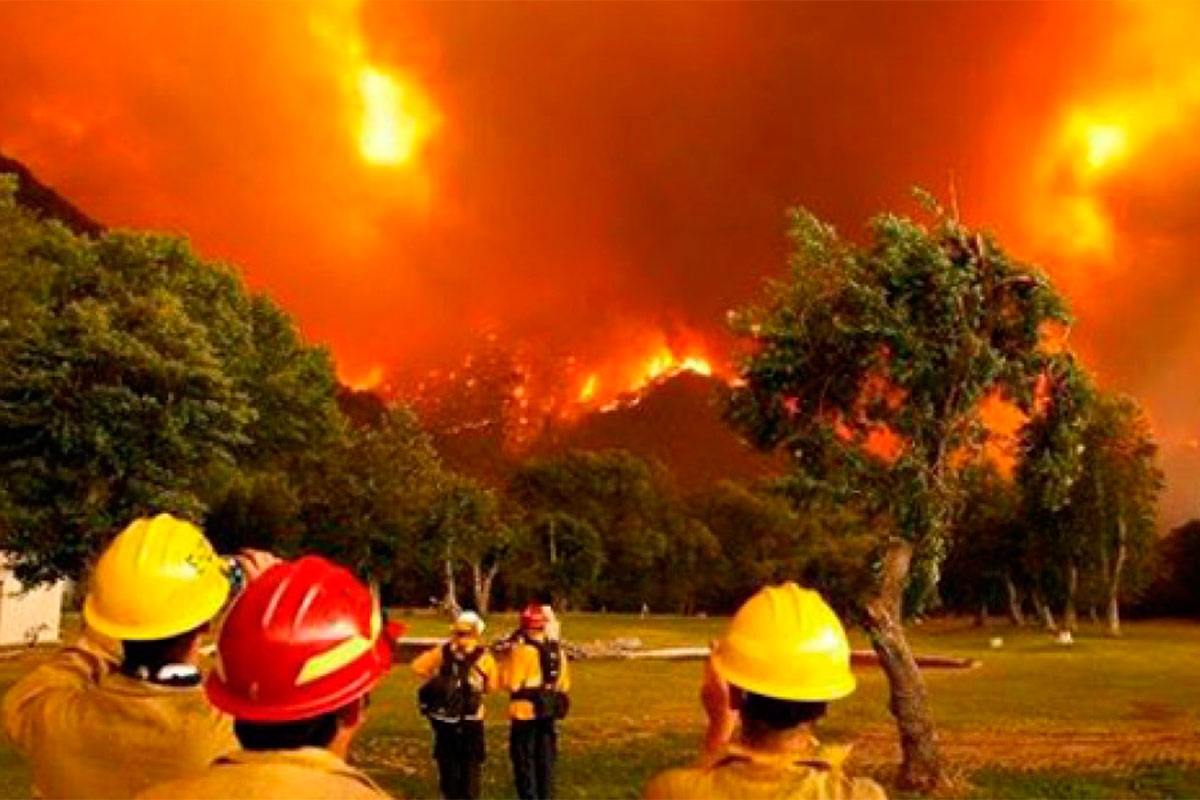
314,758
809,754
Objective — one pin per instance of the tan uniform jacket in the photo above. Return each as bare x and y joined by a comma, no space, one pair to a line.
310,773
89,731
485,675
525,672
740,772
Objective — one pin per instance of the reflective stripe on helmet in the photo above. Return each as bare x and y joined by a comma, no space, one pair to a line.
341,654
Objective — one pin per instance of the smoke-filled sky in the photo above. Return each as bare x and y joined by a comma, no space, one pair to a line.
608,179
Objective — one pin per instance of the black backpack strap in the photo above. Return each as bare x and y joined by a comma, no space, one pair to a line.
472,659
447,667
546,651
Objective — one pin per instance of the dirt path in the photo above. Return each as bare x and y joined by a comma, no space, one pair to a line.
1082,750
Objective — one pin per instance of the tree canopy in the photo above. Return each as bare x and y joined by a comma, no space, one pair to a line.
134,377
868,365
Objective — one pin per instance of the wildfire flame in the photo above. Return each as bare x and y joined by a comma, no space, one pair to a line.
589,388
1105,144
366,383
665,362
391,116
389,131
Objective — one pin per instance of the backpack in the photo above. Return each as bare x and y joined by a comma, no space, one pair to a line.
449,695
548,702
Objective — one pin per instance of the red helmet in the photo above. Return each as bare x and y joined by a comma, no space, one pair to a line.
304,639
533,618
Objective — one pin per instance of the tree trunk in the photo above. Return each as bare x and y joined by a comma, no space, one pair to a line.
477,586
1114,586
1014,602
922,766
483,580
1044,610
451,601
1070,618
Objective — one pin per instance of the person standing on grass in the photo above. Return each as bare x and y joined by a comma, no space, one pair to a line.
297,658
123,708
784,658
456,675
538,682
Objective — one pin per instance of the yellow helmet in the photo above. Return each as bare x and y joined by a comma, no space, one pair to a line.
160,577
786,642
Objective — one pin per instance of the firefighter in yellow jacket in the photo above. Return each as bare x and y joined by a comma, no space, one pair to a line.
106,720
455,677
784,658
296,659
538,681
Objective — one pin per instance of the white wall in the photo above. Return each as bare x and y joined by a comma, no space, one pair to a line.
26,616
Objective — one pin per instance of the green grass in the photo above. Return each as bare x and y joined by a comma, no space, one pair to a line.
1153,781
999,721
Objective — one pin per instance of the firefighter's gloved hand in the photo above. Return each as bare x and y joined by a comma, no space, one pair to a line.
255,562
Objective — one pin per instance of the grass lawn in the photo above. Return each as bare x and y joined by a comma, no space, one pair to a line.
1104,718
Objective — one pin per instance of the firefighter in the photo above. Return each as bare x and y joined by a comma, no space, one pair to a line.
296,658
456,675
538,682
123,708
783,659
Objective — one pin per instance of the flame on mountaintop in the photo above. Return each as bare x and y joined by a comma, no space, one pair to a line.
665,363
366,383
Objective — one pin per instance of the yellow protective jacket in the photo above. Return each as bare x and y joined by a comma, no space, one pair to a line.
90,731
525,672
485,676
741,772
309,773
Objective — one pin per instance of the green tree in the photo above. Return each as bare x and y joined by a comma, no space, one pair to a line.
1175,590
761,539
365,503
135,378
897,340
463,527
112,403
983,566
1116,497
1048,472
559,554
629,502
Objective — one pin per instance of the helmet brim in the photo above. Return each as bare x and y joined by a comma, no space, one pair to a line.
239,706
